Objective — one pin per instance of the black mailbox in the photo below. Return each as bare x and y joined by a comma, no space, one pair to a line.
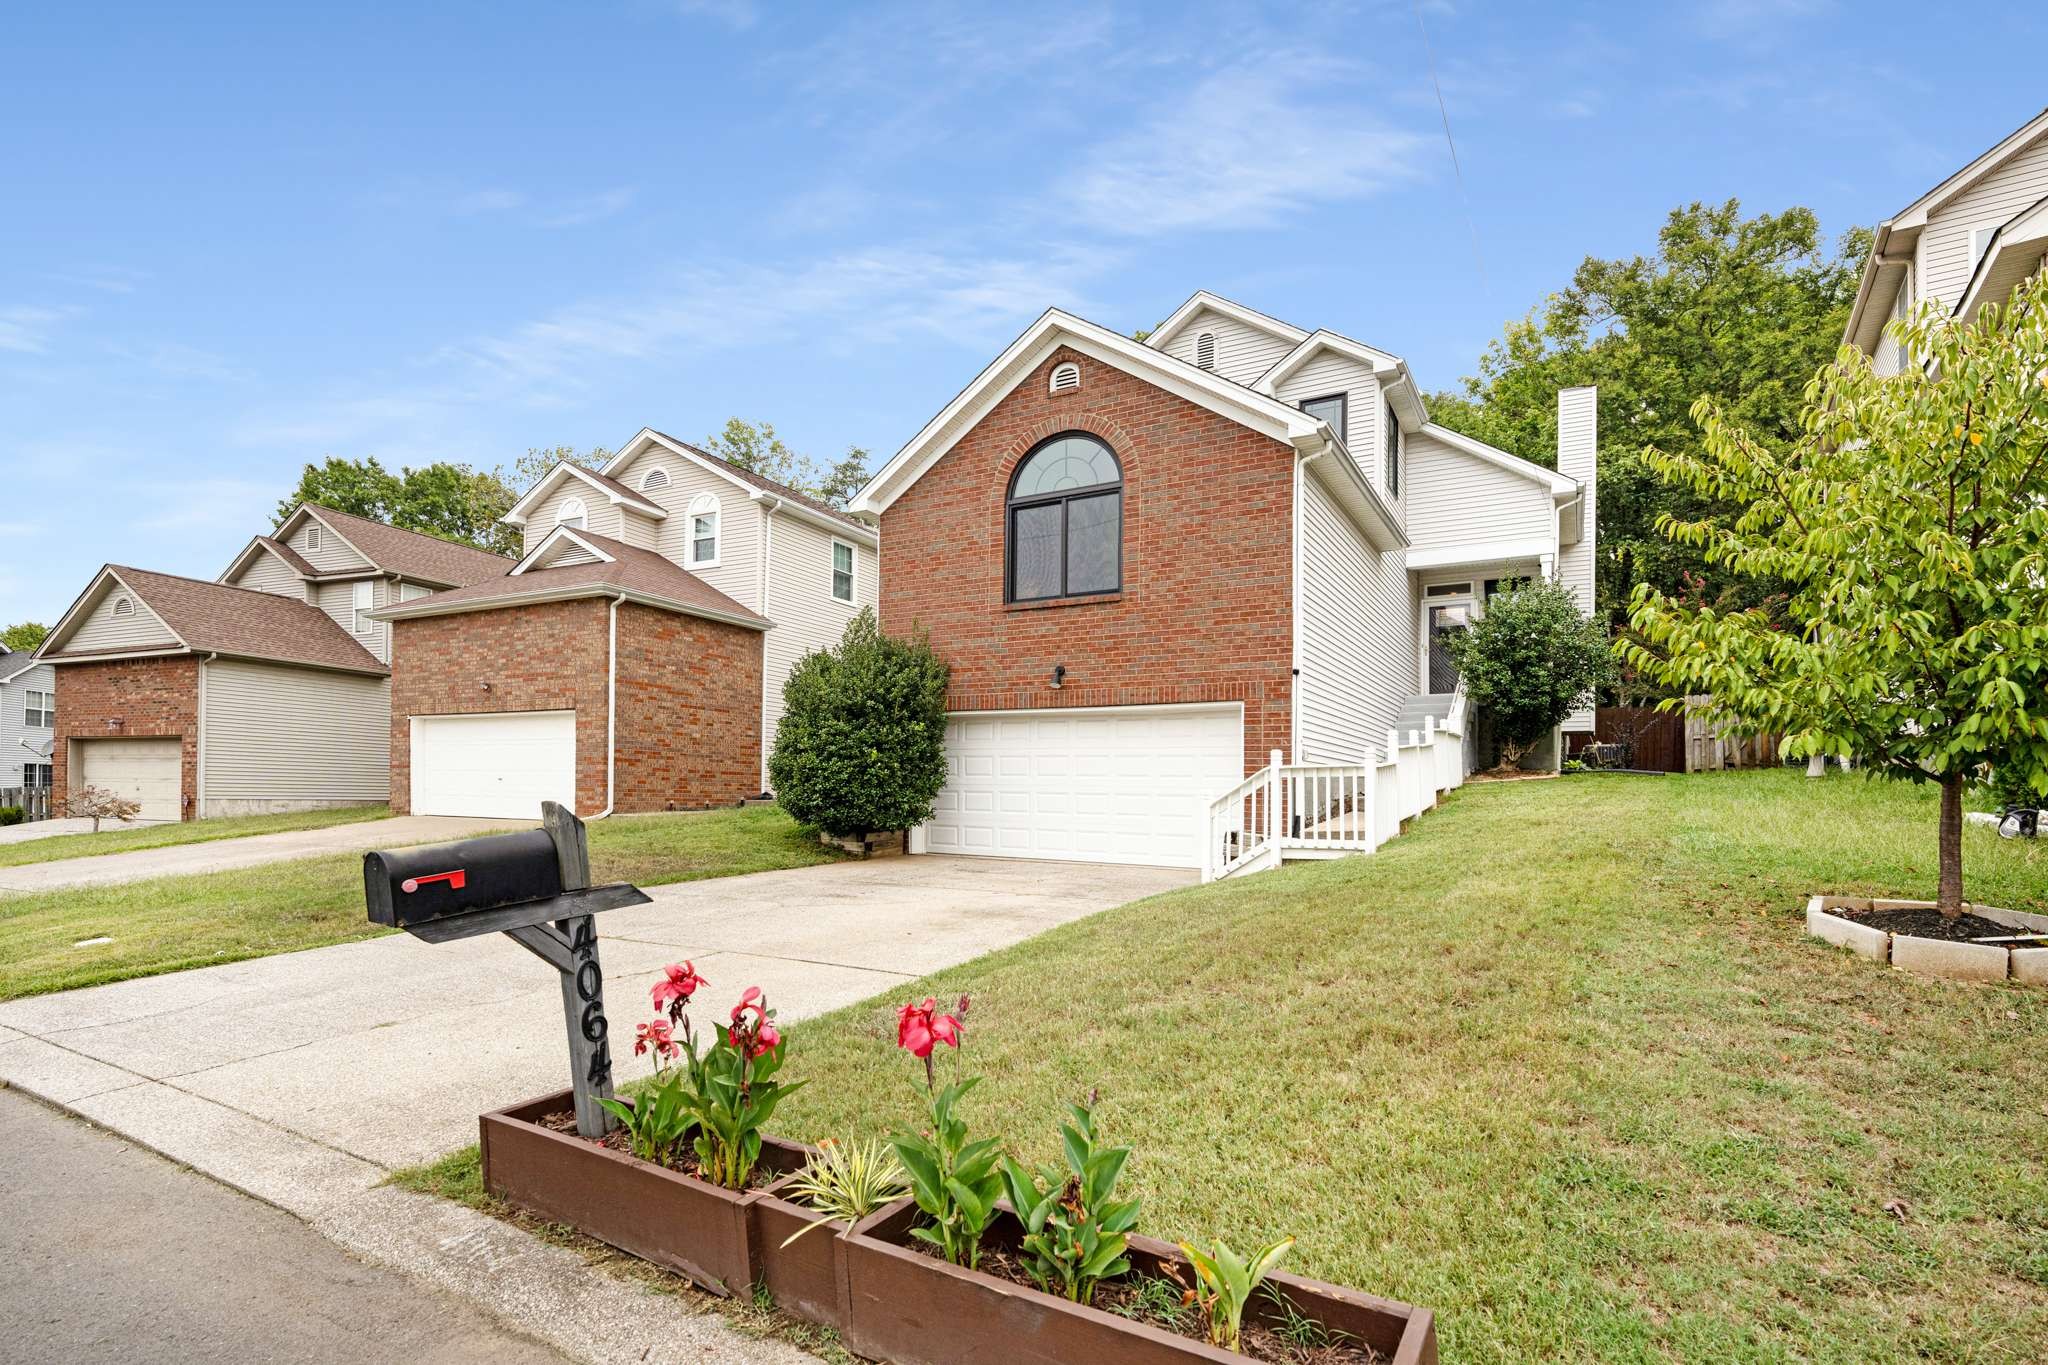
408,886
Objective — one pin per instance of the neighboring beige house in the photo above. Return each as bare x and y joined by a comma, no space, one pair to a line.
1964,243
658,526
267,690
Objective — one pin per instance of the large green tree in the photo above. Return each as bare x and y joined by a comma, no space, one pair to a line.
24,635
1909,526
1740,310
452,501
757,449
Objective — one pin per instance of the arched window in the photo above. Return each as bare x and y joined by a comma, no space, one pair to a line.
703,531
573,514
1066,520
656,478
1205,350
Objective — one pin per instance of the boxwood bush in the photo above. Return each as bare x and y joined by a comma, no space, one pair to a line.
12,815
862,746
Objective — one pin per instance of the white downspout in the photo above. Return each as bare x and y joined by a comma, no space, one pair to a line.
770,505
1301,464
611,712
198,744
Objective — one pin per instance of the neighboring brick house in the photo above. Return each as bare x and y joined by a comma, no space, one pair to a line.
1151,565
633,660
264,691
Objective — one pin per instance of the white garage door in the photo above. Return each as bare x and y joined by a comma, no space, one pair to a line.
1119,785
144,770
502,763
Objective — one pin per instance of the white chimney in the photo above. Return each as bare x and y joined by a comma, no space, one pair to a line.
1578,451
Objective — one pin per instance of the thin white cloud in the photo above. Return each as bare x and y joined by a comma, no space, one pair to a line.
1244,148
26,328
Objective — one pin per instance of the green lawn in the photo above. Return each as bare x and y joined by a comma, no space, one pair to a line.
195,921
1559,1063
114,839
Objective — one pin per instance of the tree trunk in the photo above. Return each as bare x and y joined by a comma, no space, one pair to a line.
1949,899
1817,766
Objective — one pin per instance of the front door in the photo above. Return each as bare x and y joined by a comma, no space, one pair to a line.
1445,621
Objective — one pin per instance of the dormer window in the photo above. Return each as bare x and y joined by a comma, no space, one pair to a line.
1331,410
656,478
1393,441
574,514
703,531
1205,350
1066,378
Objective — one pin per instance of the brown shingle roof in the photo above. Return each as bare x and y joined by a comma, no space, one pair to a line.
298,562
631,569
762,482
410,554
216,618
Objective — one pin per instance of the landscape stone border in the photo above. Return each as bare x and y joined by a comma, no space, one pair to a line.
1928,956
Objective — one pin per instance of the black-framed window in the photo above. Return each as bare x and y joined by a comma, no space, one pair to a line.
1331,410
1065,517
1393,440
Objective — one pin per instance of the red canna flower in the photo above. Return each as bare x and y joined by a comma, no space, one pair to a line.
676,987
658,1034
752,1031
920,1028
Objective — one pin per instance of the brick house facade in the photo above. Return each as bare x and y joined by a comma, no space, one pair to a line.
130,699
1205,611
689,690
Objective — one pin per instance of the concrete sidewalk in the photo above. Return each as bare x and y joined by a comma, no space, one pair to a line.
303,1079
65,824
219,855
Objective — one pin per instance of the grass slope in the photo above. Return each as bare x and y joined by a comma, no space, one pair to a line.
174,923
114,839
1559,1063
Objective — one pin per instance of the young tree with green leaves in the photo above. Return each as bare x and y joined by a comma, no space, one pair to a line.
1531,660
1909,525
758,450
448,500
862,743
24,636
1742,309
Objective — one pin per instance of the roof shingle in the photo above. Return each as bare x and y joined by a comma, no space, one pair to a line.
412,554
631,569
763,482
215,618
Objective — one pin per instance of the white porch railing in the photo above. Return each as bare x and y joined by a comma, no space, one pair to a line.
1325,810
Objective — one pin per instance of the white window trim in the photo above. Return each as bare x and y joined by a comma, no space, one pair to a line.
363,599
703,505
30,709
578,519
852,572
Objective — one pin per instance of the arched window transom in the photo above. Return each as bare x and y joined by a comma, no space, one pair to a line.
1066,520
703,531
574,514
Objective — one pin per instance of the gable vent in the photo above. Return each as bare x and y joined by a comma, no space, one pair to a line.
656,478
123,607
1205,350
312,535
1066,377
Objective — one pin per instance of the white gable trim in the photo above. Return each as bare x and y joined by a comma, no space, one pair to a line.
1917,213
560,533
1236,312
308,509
241,561
1481,552
1559,486
2014,252
1374,359
1266,415
517,516
82,606
775,502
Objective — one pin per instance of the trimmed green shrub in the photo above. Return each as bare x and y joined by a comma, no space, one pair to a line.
12,815
862,746
1531,659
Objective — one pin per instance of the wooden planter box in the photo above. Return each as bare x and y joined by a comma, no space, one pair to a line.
914,1309
678,1221
807,1278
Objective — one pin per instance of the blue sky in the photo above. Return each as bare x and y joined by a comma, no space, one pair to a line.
236,238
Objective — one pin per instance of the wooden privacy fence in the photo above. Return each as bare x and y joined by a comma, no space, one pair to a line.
1674,742
37,803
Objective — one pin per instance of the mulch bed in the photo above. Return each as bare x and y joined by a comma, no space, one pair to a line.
1124,1297
760,1178
1965,928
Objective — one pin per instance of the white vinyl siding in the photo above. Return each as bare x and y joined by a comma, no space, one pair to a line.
1330,373
1453,498
102,629
279,738
1889,357
601,515
800,603
738,571
14,727
1944,255
638,529
265,572
1243,353
1355,618
333,554
338,600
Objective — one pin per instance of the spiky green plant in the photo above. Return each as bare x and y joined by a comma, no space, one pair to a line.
847,1181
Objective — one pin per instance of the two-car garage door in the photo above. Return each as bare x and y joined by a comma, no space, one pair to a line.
1128,784
501,763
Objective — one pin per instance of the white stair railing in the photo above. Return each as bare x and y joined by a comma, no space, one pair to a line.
1243,824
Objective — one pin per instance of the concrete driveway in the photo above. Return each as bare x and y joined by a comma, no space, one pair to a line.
218,855
64,824
303,1079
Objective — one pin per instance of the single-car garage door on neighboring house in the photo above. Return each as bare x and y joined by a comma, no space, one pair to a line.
1129,784
502,763
144,770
